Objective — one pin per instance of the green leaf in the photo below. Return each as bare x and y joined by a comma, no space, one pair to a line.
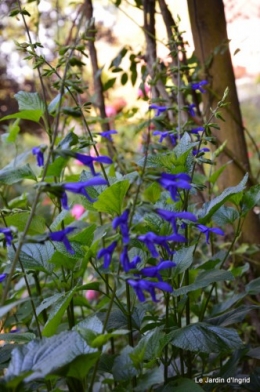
56,167
32,115
253,287
13,131
211,207
71,139
24,337
250,198
46,356
18,160
35,256
110,83
81,365
184,145
183,259
73,112
232,317
124,78
214,177
112,198
10,176
225,215
48,302
56,314
123,369
149,379
181,385
5,309
204,279
29,101
152,193
223,306
201,337
53,105
19,220
92,323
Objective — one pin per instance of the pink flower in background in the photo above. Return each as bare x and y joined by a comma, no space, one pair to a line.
110,110
140,92
91,295
77,211
78,163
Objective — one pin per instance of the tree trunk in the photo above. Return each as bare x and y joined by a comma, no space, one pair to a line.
209,31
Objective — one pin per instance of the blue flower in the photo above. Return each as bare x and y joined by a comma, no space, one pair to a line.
107,254
39,155
191,110
172,182
201,151
87,160
2,277
140,285
171,216
79,188
126,263
198,86
207,230
150,239
164,134
61,236
196,130
107,134
8,235
121,221
153,272
159,109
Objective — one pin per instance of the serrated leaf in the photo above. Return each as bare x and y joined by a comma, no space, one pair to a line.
225,215
112,198
123,366
250,198
35,256
218,201
32,115
24,337
29,101
56,314
92,323
19,220
183,259
205,338
205,279
46,356
9,176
